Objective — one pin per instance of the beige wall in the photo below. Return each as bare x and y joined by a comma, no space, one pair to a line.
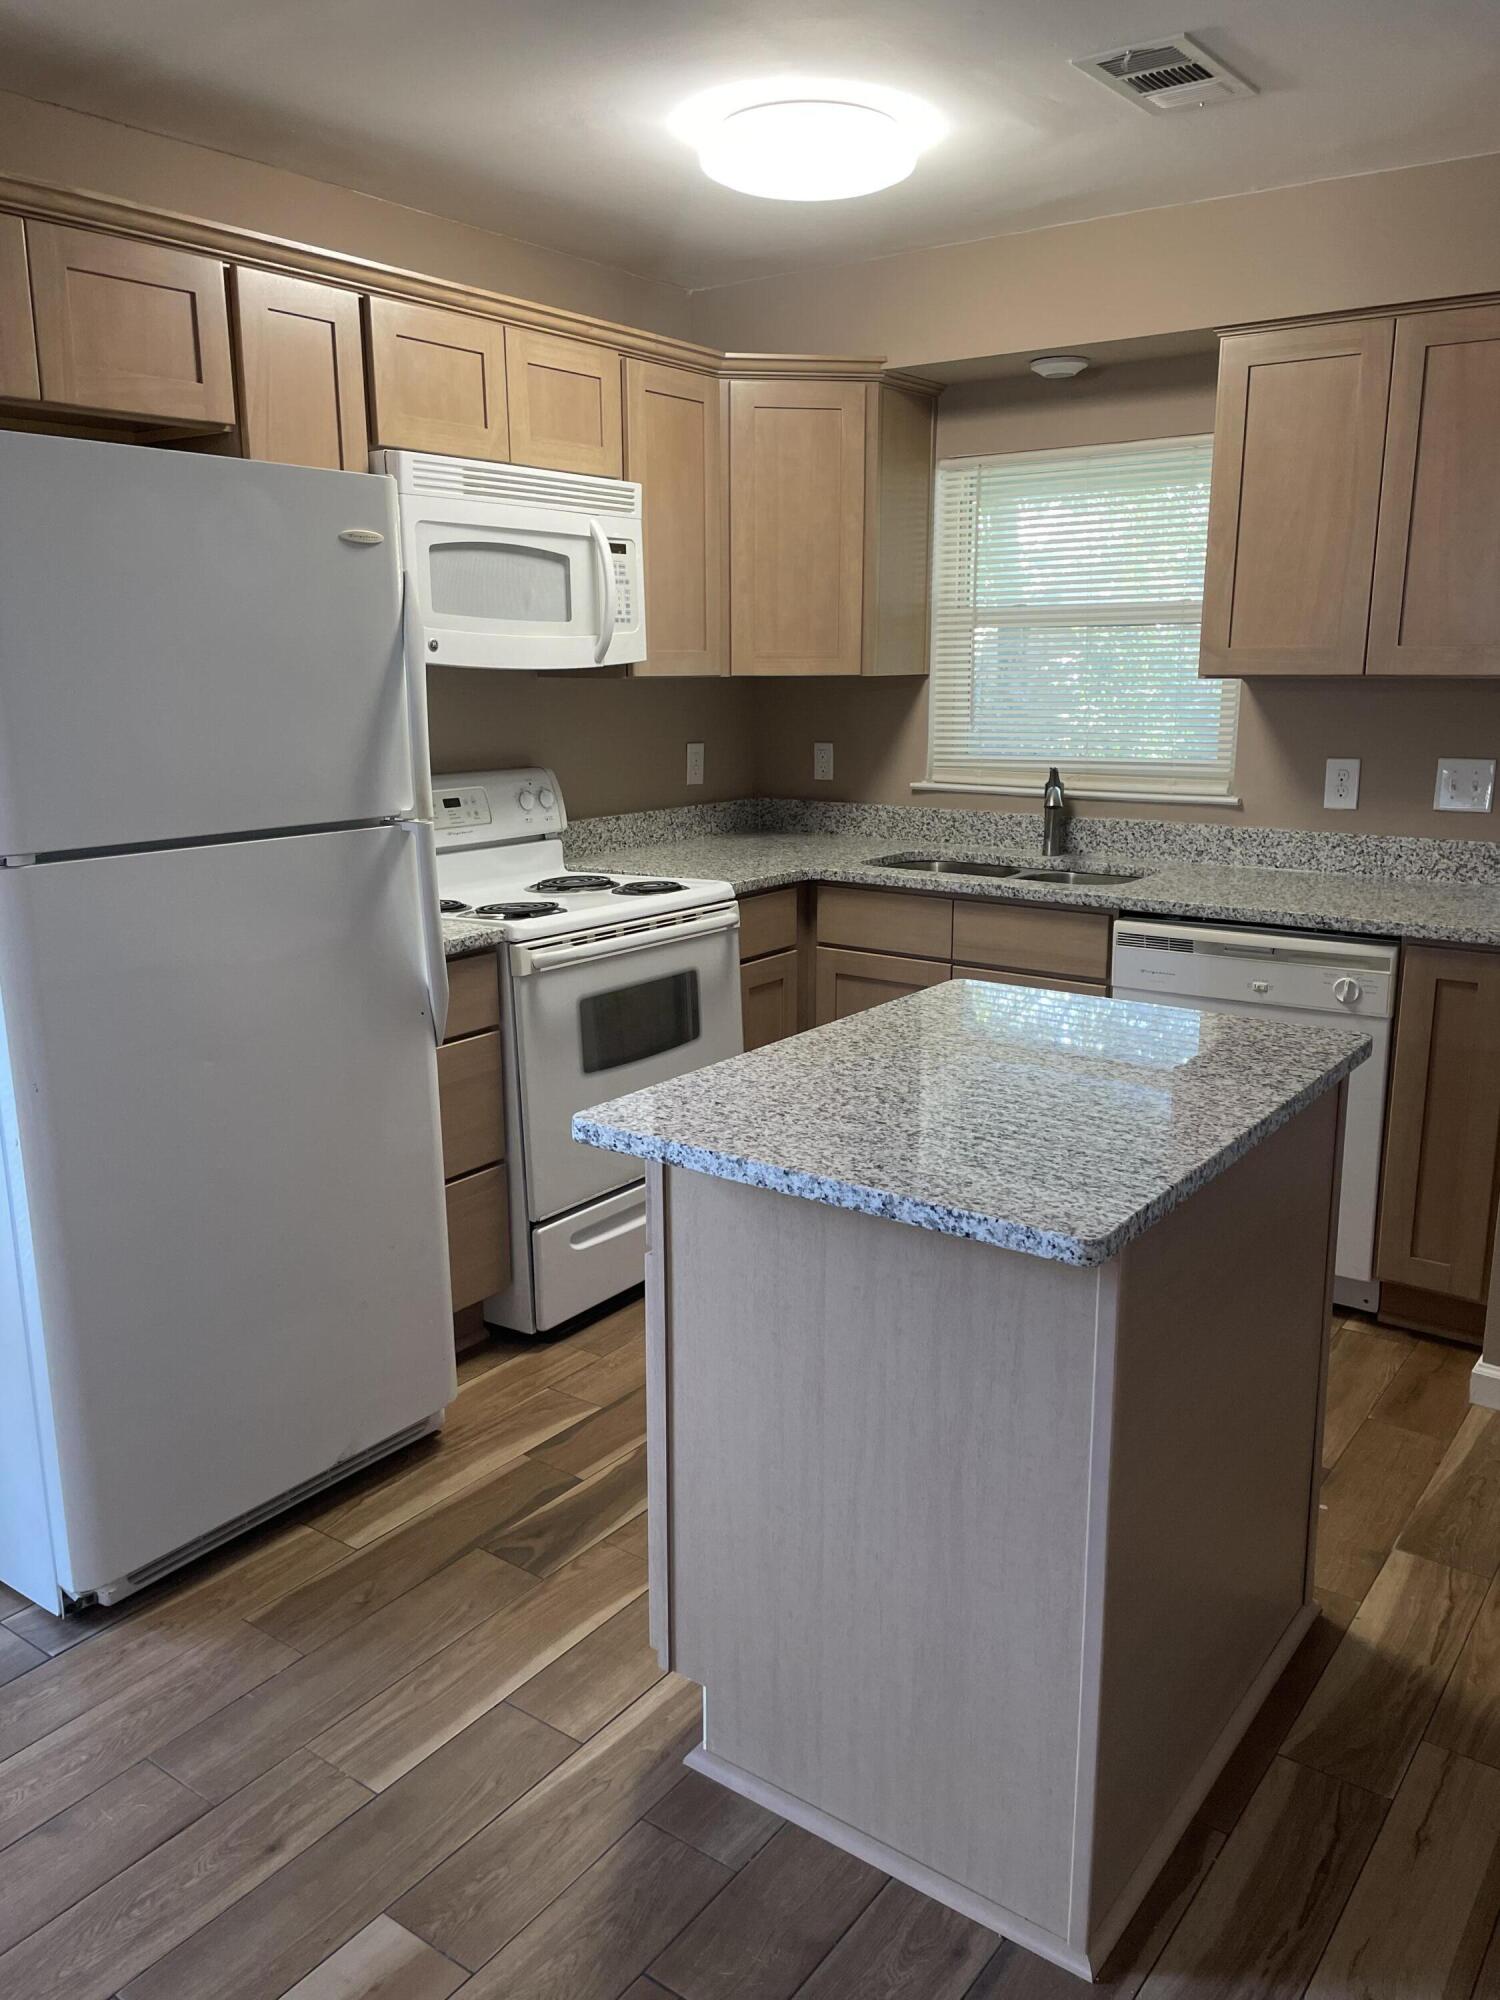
1423,232
1287,730
616,745
47,143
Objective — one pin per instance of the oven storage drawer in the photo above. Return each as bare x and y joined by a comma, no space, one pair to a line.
589,1255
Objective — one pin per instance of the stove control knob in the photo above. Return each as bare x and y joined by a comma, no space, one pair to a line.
1346,991
546,798
526,798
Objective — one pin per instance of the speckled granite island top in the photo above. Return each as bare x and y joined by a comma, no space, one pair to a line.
1059,1125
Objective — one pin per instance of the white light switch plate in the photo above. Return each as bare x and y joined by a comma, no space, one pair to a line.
822,760
1341,784
1464,785
695,764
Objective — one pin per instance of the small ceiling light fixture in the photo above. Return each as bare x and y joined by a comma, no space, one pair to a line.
815,139
1059,367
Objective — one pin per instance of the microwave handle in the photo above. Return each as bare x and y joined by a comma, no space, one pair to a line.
607,576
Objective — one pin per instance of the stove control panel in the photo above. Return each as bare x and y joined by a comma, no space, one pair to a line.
486,808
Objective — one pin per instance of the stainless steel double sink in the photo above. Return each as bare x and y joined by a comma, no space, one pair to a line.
1000,871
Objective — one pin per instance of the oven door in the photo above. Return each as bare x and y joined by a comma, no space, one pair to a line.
519,587
600,1017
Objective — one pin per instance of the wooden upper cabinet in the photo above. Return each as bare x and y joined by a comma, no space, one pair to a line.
1298,440
437,380
674,445
797,527
1436,606
564,403
1442,1137
129,327
18,371
302,371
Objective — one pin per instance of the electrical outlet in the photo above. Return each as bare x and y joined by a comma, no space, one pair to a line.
1341,784
1464,785
822,760
695,764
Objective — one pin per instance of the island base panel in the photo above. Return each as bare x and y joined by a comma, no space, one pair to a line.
986,1562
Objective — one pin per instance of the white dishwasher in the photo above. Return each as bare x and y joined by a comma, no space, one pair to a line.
1294,977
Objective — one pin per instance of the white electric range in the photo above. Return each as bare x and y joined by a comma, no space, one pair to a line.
609,982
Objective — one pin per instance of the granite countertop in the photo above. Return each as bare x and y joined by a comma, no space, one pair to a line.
1421,910
1051,1123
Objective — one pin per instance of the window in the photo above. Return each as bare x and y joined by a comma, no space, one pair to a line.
1067,596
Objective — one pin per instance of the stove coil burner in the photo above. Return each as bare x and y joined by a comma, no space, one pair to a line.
648,888
576,885
451,907
518,909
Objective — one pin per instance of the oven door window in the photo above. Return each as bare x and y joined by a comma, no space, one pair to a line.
502,583
630,1024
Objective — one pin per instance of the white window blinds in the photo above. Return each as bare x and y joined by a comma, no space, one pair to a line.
1067,597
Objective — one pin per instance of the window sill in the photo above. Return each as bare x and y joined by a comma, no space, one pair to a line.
1033,792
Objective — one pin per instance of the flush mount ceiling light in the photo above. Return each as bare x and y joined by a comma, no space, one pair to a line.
1059,367
798,139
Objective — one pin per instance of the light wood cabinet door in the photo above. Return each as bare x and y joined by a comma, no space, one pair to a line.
796,527
18,371
564,403
437,380
1299,436
674,445
301,363
912,924
768,998
471,1104
130,327
768,922
478,1236
1019,937
1436,604
850,981
473,994
1437,1201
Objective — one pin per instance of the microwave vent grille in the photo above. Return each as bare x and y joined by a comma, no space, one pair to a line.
476,479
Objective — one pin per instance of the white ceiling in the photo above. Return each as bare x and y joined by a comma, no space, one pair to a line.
544,118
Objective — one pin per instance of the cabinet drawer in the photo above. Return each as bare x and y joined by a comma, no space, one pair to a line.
886,920
469,1097
768,922
1064,944
850,981
987,972
768,998
473,995
478,1236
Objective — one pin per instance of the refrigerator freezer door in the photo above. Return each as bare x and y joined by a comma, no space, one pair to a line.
225,1104
192,647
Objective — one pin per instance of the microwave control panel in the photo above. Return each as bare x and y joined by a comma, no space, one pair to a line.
624,589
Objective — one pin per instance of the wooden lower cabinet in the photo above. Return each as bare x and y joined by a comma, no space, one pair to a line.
1442,1135
850,981
1022,938
301,361
768,998
892,920
472,1107
478,1236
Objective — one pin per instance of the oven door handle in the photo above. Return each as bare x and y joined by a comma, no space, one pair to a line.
607,582
528,958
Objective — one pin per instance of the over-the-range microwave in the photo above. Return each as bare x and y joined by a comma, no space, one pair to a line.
511,566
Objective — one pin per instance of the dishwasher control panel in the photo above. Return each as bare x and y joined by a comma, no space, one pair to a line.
1308,974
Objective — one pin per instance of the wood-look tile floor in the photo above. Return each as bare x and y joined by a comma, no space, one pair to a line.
413,1742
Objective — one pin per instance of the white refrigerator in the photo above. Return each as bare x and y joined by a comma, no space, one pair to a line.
225,1278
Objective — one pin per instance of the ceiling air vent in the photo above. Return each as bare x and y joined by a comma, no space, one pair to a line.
1175,75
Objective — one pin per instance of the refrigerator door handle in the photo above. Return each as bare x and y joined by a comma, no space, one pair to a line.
435,959
414,672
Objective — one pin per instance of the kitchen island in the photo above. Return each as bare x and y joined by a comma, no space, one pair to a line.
986,1348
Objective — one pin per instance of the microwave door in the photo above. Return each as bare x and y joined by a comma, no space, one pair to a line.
497,595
